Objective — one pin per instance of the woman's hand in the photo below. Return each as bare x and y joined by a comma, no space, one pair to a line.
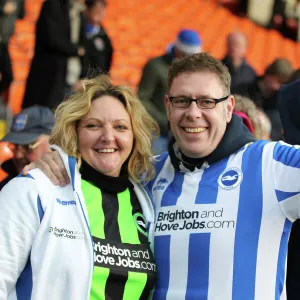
52,166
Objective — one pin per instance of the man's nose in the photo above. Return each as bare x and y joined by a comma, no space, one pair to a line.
19,151
193,111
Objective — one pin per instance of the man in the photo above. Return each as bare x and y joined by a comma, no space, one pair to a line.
60,59
241,72
153,85
224,204
10,11
29,133
99,47
264,92
289,109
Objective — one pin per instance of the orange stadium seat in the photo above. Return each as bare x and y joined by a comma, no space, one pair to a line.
141,30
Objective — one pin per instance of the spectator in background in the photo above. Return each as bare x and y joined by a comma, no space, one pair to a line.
153,85
264,92
6,76
286,14
99,47
241,72
295,75
254,118
265,126
10,11
289,109
59,60
246,109
29,133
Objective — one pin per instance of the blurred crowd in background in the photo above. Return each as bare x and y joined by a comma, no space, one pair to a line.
72,43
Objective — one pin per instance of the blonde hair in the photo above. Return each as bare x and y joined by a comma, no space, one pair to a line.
72,110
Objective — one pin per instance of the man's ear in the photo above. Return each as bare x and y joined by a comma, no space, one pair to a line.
229,108
167,105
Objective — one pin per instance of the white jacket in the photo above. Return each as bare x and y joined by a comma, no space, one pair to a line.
46,249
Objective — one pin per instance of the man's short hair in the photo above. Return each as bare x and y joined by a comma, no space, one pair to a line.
281,68
197,63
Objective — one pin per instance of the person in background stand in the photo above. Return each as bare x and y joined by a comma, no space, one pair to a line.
289,109
29,133
10,11
153,85
99,48
241,72
263,91
59,61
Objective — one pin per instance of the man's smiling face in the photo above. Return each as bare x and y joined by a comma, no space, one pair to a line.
198,131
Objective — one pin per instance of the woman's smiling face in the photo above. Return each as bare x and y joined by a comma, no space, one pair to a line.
105,136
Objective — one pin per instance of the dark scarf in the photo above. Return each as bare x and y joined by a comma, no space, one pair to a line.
235,137
106,183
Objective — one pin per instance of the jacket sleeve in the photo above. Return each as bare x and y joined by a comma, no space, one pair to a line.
49,31
146,91
286,175
110,51
20,213
21,9
5,69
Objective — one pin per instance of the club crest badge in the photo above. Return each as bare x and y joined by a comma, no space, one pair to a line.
230,178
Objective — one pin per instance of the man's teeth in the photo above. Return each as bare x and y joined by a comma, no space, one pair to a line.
106,150
195,130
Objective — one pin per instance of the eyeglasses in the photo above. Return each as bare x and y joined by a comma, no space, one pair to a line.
185,102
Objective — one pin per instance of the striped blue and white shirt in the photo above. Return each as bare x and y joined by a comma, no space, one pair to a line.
221,232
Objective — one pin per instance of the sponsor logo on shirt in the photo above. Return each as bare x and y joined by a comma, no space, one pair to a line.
161,184
230,178
140,223
61,202
127,257
66,233
195,220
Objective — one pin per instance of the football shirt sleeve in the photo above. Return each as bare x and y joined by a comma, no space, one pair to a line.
286,176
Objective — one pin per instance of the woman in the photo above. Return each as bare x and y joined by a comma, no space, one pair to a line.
87,240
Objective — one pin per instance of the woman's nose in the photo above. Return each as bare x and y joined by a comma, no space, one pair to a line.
107,135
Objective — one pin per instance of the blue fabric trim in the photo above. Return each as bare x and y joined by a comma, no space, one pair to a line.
281,195
248,224
198,266
158,164
287,155
72,166
26,176
24,283
162,258
87,224
281,265
40,208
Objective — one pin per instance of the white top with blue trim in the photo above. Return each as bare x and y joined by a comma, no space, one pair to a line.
46,251
221,233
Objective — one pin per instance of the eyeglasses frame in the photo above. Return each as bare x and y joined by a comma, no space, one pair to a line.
216,100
